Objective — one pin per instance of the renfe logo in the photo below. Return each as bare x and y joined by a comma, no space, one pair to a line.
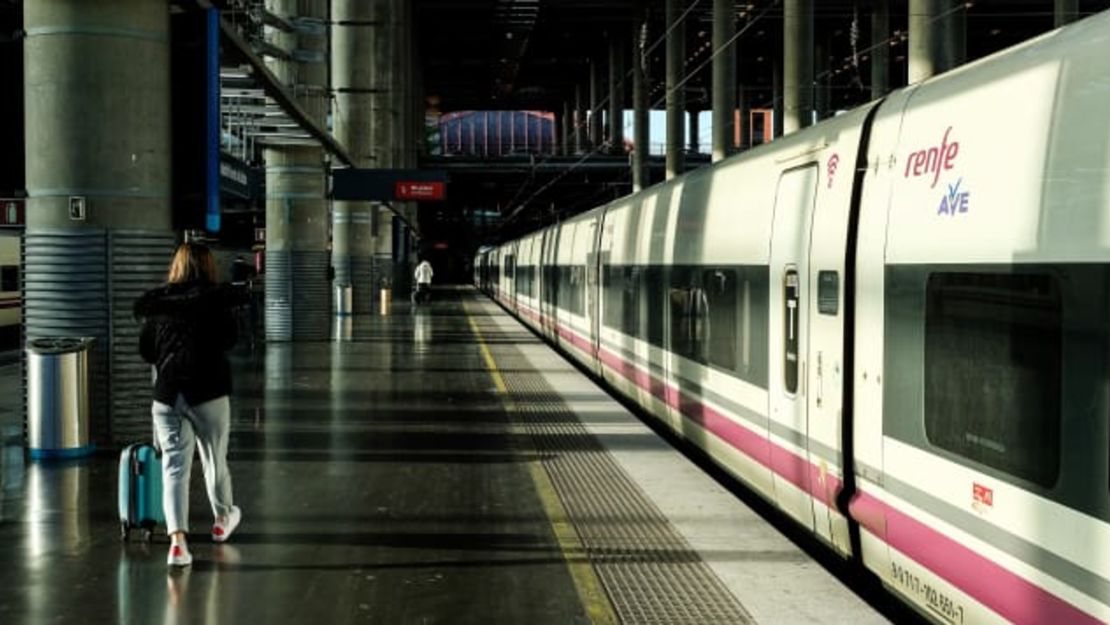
934,159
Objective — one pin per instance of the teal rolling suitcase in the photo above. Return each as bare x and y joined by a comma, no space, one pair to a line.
140,490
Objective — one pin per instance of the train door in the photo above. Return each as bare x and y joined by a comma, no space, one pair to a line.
825,349
510,276
593,281
789,325
550,280
604,260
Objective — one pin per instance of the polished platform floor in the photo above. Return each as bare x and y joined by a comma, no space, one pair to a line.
437,465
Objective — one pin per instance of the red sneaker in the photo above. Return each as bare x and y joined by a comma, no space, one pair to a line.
179,556
222,531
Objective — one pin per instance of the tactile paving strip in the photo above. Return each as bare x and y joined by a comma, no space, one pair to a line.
650,572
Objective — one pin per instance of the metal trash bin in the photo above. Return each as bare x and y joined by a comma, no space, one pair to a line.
385,296
58,397
344,298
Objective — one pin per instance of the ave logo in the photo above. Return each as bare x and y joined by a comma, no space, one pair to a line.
955,201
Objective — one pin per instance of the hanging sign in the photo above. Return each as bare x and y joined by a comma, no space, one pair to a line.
419,191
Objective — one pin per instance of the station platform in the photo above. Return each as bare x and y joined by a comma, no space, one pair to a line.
436,465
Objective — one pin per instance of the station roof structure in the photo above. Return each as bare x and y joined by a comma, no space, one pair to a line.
490,55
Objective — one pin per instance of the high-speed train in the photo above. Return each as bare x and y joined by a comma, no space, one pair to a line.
893,325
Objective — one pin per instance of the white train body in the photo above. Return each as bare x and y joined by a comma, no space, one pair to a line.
906,350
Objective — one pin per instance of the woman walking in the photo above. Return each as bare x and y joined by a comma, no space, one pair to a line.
187,326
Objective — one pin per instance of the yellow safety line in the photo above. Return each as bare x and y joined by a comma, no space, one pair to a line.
586,583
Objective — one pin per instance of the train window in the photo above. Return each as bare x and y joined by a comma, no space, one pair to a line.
655,290
578,287
551,284
9,278
791,293
720,291
571,285
524,279
688,306
993,367
622,298
613,291
630,301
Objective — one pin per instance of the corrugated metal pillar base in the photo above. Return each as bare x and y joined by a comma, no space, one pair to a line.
279,296
65,293
298,296
83,283
138,262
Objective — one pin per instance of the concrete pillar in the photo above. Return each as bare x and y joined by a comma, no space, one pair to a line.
352,53
596,107
641,129
797,93
955,36
776,88
298,293
616,94
740,133
695,130
925,32
383,128
676,96
822,98
97,124
724,78
566,122
405,141
880,49
579,121
1066,12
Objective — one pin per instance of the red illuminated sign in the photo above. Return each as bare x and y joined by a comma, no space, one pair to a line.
420,191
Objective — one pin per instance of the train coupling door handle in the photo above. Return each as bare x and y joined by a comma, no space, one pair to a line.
820,379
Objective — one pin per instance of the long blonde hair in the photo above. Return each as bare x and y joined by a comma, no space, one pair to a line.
192,261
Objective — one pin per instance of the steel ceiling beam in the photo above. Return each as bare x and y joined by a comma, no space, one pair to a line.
280,94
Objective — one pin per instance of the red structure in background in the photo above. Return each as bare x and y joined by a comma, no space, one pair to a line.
497,133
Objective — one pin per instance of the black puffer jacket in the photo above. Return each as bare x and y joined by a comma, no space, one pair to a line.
186,328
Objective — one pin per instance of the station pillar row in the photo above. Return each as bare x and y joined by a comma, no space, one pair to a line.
676,96
354,32
616,95
298,291
724,78
641,133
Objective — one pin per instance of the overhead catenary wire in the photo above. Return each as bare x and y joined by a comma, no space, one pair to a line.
605,145
896,37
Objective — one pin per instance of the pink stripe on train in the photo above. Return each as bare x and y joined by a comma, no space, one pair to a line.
1001,590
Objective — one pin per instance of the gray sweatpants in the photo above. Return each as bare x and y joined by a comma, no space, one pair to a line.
179,429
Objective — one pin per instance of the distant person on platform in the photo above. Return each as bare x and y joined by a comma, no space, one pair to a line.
423,277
